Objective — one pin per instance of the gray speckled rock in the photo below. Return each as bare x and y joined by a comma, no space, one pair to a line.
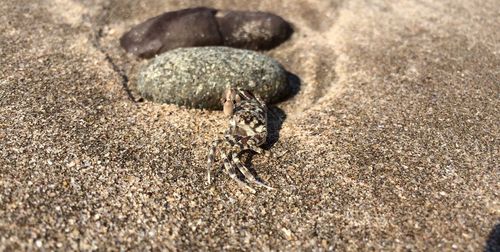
196,77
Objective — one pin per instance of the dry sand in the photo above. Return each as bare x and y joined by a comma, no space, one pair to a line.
393,140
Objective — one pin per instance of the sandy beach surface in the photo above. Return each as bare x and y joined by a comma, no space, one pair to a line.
391,143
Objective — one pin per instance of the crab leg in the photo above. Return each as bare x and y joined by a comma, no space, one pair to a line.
211,157
229,168
246,173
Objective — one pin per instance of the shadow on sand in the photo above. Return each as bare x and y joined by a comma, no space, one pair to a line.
276,116
275,119
493,241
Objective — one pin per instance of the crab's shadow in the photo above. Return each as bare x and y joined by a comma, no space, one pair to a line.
493,241
276,116
275,119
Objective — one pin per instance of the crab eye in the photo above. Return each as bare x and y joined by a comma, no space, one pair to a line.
222,100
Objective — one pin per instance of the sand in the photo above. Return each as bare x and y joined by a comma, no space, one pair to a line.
391,143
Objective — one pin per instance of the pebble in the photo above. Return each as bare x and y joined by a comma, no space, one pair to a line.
203,26
196,77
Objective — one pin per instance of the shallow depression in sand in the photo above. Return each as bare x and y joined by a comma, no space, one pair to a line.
310,55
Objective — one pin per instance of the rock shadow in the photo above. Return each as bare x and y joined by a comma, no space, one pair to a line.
292,89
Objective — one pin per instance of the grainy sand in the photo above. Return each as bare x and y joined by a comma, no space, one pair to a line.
393,140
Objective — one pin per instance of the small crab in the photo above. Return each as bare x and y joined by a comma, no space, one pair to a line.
247,131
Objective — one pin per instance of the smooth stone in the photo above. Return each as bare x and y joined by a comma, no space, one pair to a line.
170,30
206,27
252,30
196,77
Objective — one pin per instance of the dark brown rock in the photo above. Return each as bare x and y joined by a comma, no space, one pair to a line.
206,27
253,30
183,28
